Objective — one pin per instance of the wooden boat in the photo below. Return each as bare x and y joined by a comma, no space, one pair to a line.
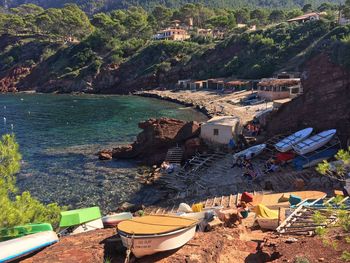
22,246
148,235
20,231
250,152
287,143
315,142
115,219
80,220
280,200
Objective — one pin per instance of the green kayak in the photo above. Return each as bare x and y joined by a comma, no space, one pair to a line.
79,216
20,231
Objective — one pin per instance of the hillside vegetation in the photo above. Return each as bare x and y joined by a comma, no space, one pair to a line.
61,49
92,6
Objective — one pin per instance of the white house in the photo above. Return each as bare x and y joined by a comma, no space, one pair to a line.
220,129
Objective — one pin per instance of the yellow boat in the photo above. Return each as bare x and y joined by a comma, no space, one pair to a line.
277,200
148,235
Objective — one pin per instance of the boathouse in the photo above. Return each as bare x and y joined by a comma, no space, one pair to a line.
275,89
220,129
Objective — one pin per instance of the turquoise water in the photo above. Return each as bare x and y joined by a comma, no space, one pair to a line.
59,136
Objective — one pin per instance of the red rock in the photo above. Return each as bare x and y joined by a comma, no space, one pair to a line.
324,104
157,137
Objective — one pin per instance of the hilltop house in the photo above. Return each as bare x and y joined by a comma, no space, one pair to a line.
220,129
306,17
172,33
279,88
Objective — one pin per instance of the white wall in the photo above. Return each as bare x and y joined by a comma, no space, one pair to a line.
224,136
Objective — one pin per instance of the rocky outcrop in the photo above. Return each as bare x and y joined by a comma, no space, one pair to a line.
325,103
9,80
157,137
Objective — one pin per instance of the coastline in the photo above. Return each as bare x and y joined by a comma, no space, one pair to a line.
210,103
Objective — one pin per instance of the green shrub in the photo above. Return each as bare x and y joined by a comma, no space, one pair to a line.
19,209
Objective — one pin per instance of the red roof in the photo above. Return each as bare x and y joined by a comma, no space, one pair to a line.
279,82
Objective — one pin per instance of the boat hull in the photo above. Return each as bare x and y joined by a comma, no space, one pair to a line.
313,143
145,245
114,220
85,227
19,247
287,143
250,152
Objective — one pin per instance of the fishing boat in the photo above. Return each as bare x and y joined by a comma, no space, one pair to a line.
22,246
281,200
114,219
287,143
148,235
80,220
314,142
250,152
20,231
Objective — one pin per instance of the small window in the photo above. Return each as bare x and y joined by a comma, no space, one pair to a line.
216,132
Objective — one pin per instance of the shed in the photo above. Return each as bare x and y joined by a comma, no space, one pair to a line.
220,129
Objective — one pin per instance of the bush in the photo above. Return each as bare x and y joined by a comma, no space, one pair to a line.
19,209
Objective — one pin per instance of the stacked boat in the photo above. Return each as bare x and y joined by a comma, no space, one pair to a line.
302,144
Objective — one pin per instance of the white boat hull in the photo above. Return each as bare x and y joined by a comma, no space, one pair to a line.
151,244
114,220
287,143
313,143
86,227
267,223
250,152
19,247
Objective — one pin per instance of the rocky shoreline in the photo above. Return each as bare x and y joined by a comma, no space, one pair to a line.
210,103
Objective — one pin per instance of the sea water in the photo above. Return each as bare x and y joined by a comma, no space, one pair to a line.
59,136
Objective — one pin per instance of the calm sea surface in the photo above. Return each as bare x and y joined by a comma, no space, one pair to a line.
59,136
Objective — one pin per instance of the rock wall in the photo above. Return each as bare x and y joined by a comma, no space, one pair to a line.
325,103
157,137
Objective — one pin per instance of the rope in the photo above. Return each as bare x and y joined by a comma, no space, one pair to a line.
128,251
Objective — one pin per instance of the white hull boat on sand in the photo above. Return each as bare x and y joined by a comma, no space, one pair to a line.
315,142
22,246
250,152
287,143
115,219
152,234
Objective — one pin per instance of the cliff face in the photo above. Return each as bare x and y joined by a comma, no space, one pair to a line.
325,103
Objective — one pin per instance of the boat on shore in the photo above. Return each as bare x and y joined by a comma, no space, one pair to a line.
80,220
114,219
250,153
148,235
19,247
314,142
20,231
281,200
287,143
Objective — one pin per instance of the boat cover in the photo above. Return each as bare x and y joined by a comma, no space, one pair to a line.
264,212
150,225
79,216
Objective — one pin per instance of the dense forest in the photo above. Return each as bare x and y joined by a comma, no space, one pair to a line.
65,50
93,6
